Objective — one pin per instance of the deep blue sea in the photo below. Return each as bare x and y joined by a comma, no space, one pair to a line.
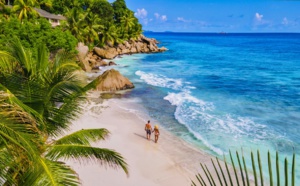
221,92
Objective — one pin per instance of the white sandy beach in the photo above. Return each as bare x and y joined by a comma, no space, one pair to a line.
169,162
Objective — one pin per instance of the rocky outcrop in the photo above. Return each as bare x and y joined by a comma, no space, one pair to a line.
82,54
93,60
112,80
106,53
140,45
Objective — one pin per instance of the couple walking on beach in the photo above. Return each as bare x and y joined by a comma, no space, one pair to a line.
148,129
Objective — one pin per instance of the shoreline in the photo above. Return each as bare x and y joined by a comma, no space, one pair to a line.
171,161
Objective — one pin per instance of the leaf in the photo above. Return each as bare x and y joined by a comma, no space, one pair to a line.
83,137
103,156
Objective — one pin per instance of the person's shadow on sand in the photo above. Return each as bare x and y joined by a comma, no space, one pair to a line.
142,136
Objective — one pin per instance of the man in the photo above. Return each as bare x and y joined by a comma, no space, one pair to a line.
148,130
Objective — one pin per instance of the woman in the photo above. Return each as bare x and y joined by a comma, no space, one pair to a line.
156,133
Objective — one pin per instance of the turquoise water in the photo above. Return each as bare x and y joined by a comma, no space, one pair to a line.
223,91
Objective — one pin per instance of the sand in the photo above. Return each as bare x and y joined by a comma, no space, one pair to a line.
170,162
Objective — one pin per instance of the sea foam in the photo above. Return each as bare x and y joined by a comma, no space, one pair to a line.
160,80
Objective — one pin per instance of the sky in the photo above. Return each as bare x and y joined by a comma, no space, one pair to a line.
217,15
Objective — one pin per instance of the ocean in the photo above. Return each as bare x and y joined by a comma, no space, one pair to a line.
221,92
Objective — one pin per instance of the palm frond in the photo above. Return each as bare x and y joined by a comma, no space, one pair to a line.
83,137
288,175
15,133
52,173
19,139
60,118
6,161
6,63
23,56
7,97
103,156
64,61
42,61
64,85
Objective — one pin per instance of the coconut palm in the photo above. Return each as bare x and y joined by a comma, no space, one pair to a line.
109,35
75,23
127,22
39,100
45,3
92,26
25,8
241,175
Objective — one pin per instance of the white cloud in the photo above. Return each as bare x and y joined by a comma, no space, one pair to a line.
164,18
180,19
141,13
258,16
160,17
156,15
285,21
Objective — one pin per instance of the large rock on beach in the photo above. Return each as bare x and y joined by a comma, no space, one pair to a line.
112,80
111,63
82,55
106,53
82,51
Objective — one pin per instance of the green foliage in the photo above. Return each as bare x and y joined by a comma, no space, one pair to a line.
38,100
104,10
25,8
94,22
58,39
120,10
206,178
36,32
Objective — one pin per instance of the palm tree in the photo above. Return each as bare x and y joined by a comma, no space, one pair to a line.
38,99
92,26
109,35
45,3
127,22
25,8
75,23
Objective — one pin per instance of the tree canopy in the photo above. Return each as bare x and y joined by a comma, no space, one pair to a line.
94,22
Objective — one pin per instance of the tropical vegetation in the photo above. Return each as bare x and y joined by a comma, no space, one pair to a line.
241,176
41,87
38,100
93,22
34,33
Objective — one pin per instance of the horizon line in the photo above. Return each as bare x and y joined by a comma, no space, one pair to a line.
221,32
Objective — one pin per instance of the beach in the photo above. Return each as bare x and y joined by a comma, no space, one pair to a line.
171,161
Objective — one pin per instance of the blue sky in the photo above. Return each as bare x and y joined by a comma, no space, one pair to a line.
217,15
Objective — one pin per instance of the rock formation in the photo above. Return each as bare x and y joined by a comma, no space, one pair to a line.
93,60
112,80
82,55
140,45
